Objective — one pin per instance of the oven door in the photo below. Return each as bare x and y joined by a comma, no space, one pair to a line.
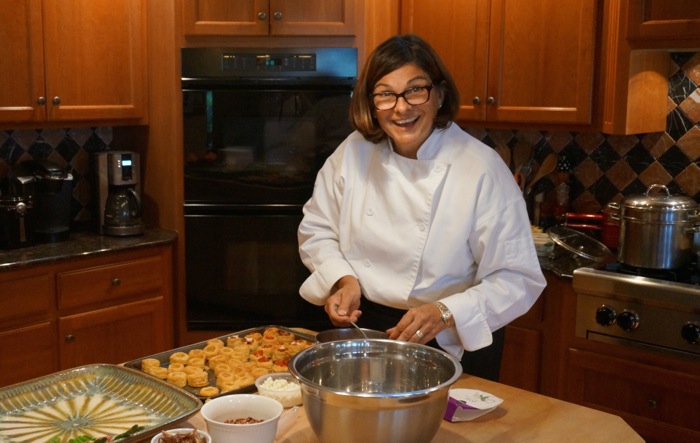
256,144
244,270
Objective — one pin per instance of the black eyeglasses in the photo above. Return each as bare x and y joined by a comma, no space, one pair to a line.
417,95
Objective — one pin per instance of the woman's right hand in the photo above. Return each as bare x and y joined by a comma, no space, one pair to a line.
343,305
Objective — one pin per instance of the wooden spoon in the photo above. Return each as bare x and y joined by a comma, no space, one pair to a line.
549,164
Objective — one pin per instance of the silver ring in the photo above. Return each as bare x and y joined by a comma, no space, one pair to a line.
419,334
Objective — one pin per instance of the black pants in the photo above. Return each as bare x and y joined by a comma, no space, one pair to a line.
484,363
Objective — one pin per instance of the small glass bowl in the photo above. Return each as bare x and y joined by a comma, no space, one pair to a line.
289,394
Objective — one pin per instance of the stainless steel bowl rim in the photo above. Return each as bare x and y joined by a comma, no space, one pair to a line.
410,394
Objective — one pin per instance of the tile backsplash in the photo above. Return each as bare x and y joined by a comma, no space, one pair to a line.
604,167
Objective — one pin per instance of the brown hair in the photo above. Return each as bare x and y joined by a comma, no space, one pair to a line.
391,55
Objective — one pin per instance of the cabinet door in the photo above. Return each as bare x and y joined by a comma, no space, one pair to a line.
313,17
513,61
676,21
27,353
22,67
458,31
113,335
541,61
225,17
95,59
661,405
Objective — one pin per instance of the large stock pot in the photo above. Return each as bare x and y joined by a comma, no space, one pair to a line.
656,229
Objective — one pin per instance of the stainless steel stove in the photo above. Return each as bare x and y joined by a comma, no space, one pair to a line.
659,313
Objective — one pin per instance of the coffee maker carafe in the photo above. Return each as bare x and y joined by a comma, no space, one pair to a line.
119,202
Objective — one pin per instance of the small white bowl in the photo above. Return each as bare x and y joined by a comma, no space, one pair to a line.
231,407
287,390
207,437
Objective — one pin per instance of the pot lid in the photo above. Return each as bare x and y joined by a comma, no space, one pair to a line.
659,201
580,244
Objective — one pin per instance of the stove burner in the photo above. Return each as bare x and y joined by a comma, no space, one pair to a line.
688,274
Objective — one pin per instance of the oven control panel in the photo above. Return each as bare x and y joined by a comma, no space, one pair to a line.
232,62
626,322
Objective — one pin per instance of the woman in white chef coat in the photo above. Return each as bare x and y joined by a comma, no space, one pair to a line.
414,226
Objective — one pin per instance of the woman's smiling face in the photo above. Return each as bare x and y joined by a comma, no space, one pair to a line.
408,125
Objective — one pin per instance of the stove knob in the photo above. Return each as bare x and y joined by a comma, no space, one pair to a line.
628,320
605,316
691,333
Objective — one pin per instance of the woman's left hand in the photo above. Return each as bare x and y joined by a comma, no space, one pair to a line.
418,325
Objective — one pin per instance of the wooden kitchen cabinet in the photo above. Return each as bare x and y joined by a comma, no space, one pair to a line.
660,403
109,308
513,61
82,60
533,353
269,17
636,39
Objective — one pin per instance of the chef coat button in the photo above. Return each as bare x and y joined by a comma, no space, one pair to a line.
370,211
421,227
438,169
368,264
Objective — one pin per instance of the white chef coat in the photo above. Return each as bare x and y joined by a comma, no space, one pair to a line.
450,225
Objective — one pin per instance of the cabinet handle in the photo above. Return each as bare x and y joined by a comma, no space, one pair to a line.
70,338
57,100
41,100
262,16
476,100
277,15
490,100
116,282
651,403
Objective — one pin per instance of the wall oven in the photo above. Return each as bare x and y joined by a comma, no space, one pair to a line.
258,124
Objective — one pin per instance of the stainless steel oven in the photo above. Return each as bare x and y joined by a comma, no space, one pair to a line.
258,124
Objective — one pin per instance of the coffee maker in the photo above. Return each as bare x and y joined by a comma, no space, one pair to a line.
48,188
118,208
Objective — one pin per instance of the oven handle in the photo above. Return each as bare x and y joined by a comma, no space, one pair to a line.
208,209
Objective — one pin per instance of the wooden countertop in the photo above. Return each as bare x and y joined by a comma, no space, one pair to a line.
522,417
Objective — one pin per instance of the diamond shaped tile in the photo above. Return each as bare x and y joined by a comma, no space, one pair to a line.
692,68
690,144
656,143
621,175
589,141
689,180
691,106
655,175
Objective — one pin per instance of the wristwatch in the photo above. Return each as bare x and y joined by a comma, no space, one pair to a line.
445,314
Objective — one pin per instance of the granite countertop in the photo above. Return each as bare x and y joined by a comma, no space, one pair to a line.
80,244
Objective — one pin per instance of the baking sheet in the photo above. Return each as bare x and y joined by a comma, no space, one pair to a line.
97,400
164,357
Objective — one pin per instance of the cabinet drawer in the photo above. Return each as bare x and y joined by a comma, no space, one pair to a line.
640,393
107,283
24,297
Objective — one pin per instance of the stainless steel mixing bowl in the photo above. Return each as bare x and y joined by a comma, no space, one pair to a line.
374,390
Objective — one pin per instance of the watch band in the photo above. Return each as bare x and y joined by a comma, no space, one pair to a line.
445,314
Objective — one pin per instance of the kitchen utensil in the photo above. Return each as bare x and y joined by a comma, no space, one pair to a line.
348,333
656,229
335,308
549,164
522,153
374,390
218,411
